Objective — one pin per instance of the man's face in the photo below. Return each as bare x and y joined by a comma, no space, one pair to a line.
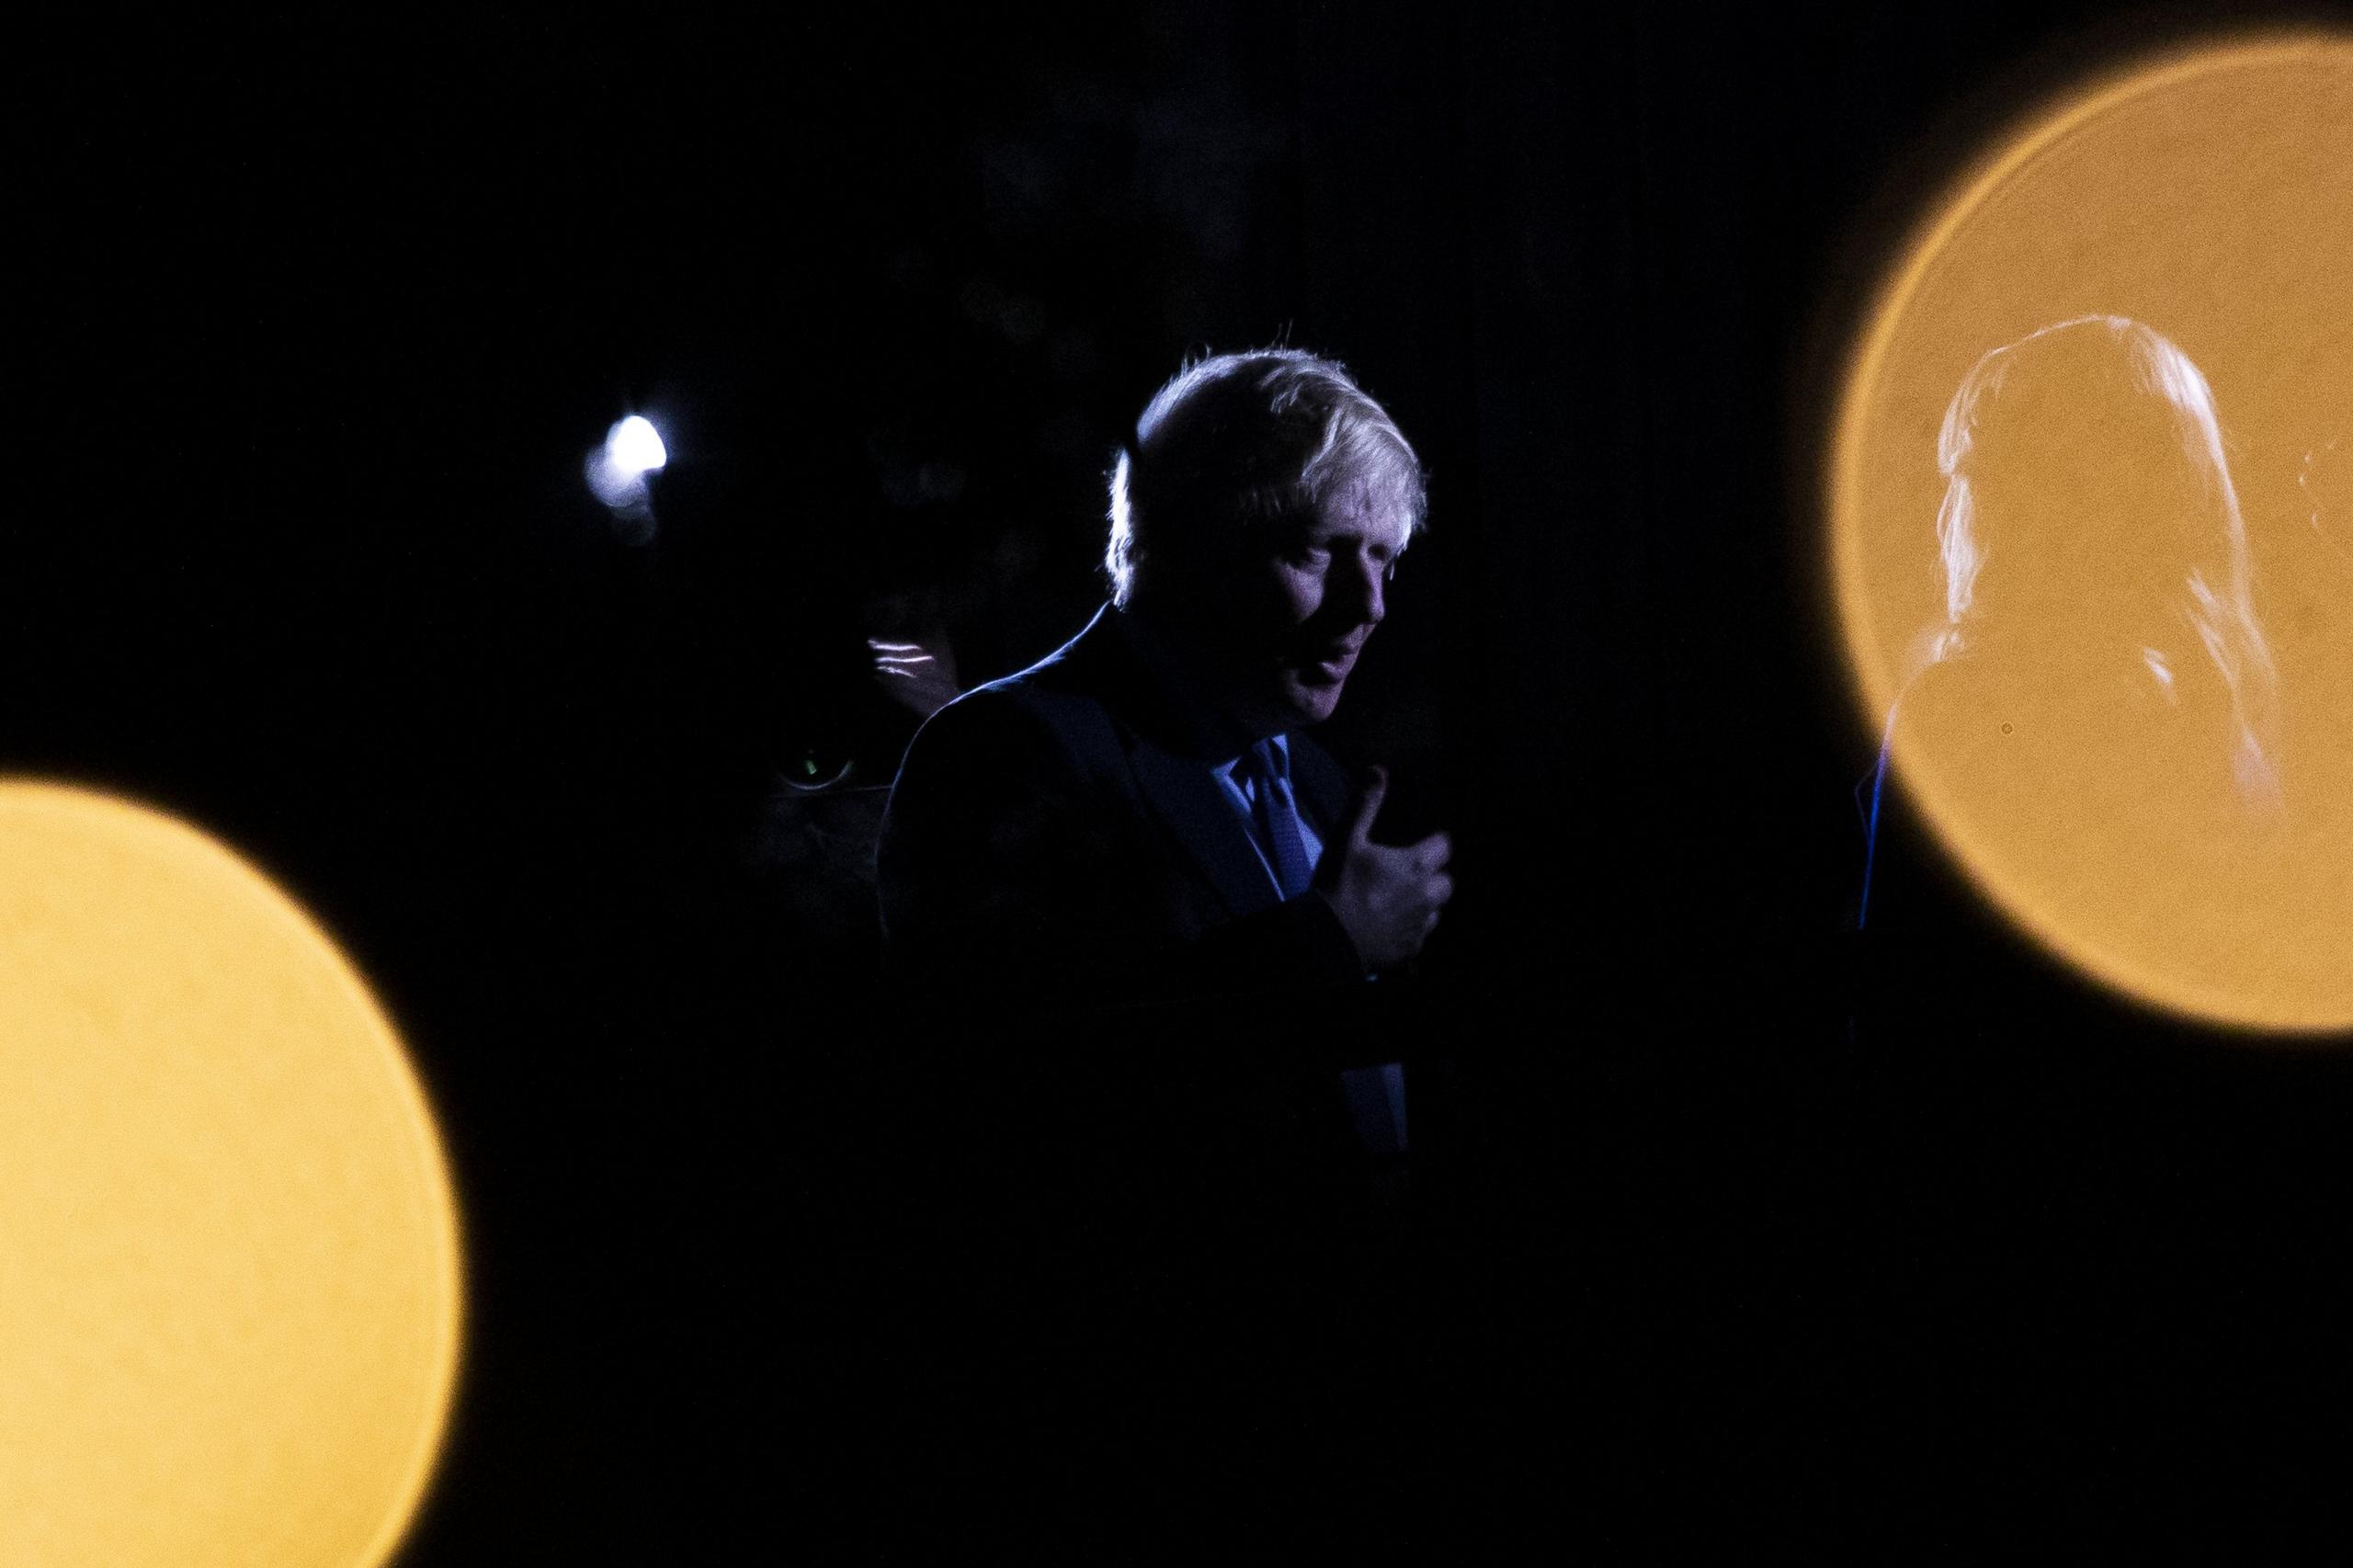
1304,609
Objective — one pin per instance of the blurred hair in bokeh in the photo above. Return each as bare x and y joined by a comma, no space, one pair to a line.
2092,547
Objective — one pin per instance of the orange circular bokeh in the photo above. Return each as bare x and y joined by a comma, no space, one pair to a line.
2087,538
230,1295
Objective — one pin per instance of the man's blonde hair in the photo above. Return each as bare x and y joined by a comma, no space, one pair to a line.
1241,440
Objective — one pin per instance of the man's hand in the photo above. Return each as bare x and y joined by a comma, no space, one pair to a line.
920,676
1388,898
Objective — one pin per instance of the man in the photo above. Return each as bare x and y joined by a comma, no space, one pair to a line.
1142,909
1134,819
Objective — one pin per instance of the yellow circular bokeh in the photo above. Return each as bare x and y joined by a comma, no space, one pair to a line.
2087,536
229,1282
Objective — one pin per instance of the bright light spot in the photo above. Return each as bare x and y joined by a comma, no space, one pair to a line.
634,447
616,474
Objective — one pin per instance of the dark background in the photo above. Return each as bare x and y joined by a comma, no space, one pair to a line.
1761,1237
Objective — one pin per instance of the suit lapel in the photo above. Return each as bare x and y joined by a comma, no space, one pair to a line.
1198,814
1320,788
1172,753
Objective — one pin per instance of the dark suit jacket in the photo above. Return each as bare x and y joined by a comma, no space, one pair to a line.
1058,864
1055,841
1134,1167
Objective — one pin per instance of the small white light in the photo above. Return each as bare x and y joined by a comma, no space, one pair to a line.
616,471
634,447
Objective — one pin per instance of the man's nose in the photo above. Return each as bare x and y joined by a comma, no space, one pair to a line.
1365,601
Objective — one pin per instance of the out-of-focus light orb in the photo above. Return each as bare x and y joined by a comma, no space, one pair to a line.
634,447
616,470
230,1284
2081,536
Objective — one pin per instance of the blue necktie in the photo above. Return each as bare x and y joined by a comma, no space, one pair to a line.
1277,815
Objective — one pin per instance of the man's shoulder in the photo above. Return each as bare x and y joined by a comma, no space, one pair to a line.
1037,719
1027,706
1064,695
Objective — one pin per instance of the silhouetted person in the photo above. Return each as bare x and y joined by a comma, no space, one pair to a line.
2092,728
2099,699
811,854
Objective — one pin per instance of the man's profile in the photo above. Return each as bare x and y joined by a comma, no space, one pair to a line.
1138,819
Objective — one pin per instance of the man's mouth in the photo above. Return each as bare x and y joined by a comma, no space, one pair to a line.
1327,664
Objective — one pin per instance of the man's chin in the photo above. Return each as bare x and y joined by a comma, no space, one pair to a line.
1311,702
1287,704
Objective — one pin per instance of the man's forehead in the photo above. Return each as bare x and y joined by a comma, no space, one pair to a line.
1362,512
